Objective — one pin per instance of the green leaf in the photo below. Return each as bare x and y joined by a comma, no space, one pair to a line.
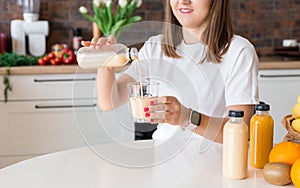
117,26
122,12
96,11
88,17
109,15
105,19
6,84
133,19
131,8
13,59
101,27
117,15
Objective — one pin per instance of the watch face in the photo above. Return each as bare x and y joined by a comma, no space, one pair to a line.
196,117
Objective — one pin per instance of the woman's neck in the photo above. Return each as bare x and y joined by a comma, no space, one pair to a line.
192,35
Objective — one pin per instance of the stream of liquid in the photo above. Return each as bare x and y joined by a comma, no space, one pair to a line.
140,76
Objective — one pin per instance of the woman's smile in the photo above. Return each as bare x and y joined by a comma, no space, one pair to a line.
185,10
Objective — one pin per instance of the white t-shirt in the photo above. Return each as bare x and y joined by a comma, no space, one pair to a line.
205,87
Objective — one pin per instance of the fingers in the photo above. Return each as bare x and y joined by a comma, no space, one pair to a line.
164,103
85,43
163,99
94,41
160,107
111,40
166,109
101,41
97,42
164,117
158,117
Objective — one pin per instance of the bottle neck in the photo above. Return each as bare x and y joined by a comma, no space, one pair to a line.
132,54
236,120
262,112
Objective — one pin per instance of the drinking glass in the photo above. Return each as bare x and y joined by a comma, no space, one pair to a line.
140,97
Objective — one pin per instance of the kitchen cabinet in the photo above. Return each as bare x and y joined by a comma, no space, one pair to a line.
52,112
279,88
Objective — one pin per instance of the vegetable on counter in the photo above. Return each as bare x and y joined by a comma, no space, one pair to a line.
10,60
66,57
13,59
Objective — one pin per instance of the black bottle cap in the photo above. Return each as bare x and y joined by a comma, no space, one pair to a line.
77,32
236,113
262,107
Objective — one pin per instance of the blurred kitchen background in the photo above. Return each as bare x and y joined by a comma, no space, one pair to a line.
264,22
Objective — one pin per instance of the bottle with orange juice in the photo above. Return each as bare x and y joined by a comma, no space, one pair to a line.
261,136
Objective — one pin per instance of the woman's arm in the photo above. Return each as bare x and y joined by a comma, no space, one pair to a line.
111,93
167,109
212,128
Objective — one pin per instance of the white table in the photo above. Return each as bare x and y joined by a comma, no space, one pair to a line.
180,163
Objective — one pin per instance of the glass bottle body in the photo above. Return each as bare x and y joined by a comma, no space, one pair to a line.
261,138
115,55
235,149
77,38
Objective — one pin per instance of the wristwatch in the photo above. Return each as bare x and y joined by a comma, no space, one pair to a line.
195,118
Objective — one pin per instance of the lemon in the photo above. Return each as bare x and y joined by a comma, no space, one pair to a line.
295,173
296,109
296,125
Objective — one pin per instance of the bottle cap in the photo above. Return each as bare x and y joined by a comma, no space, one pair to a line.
262,107
132,53
77,32
236,113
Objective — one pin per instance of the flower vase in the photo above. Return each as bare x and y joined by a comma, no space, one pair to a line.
96,31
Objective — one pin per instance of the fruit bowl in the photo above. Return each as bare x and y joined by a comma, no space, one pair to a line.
291,135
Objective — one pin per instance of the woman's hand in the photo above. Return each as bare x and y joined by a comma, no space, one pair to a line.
167,109
97,42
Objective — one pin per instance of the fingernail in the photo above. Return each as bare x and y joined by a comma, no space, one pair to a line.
147,114
146,109
92,45
98,44
151,102
151,120
108,42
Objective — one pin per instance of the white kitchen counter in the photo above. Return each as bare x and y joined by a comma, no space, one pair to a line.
266,63
178,163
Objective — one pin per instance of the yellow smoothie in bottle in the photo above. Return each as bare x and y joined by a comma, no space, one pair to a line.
235,146
261,136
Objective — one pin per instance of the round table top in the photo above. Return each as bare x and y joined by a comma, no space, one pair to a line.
175,163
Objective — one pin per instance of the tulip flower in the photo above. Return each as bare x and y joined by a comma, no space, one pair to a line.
110,22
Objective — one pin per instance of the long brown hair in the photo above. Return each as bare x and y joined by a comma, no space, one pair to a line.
217,35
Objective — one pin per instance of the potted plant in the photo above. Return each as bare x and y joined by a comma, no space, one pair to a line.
110,21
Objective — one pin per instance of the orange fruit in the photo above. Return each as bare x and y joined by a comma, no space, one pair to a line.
295,173
285,152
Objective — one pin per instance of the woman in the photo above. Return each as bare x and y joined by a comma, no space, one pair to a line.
198,40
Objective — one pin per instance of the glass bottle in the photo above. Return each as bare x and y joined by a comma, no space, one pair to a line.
235,146
114,55
3,43
261,136
77,38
